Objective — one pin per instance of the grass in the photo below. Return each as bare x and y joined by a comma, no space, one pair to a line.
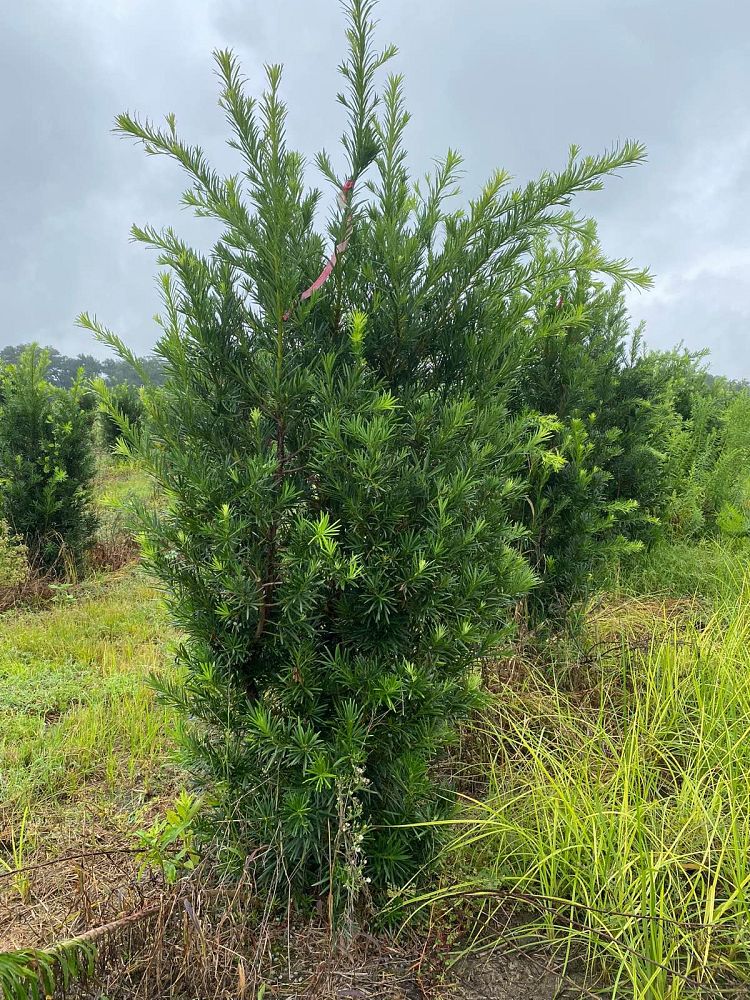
118,481
620,820
77,717
712,568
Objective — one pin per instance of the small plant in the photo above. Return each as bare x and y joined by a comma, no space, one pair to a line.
62,593
169,844
350,880
732,521
20,844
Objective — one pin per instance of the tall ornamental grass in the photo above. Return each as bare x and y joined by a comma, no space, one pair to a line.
623,829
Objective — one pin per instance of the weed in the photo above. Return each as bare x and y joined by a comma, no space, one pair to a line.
169,843
20,845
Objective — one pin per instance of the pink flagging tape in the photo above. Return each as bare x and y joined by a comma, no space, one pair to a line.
345,195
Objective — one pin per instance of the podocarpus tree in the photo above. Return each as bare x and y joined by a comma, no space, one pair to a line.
46,463
709,486
578,519
126,399
338,467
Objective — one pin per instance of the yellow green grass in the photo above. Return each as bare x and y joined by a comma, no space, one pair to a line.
621,820
117,481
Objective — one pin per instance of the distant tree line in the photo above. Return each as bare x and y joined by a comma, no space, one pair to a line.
63,370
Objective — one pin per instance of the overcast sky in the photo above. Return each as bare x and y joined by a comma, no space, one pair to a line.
510,83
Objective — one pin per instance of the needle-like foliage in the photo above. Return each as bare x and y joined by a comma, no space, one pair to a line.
46,463
340,469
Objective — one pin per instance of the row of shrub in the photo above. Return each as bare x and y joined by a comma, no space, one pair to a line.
637,445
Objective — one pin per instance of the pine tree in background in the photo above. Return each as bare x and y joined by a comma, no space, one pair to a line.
339,469
46,463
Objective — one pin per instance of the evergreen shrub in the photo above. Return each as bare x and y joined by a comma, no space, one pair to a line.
340,468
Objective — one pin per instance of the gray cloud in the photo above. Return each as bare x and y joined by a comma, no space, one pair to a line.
508,84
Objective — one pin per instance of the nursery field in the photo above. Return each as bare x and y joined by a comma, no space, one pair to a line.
384,631
600,844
